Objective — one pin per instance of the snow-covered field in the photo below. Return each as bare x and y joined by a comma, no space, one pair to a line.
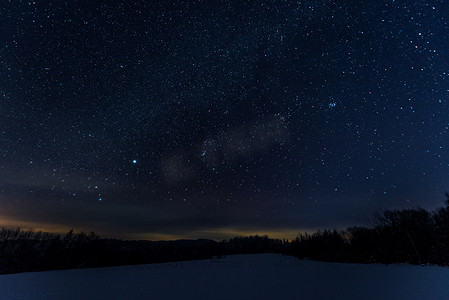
263,276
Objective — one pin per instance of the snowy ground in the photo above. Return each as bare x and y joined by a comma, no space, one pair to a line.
263,276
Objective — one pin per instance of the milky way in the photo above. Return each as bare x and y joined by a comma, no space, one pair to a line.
160,119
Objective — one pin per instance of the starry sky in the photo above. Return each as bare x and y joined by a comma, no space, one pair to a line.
210,119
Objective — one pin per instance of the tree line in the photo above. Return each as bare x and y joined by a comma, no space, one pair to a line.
27,250
415,236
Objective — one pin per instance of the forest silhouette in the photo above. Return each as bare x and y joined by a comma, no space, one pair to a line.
415,236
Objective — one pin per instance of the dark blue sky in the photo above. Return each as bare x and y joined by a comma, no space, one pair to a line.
168,119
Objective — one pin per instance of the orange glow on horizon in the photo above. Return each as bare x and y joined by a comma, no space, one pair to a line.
217,234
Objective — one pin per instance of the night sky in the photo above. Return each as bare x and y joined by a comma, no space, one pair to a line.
210,119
